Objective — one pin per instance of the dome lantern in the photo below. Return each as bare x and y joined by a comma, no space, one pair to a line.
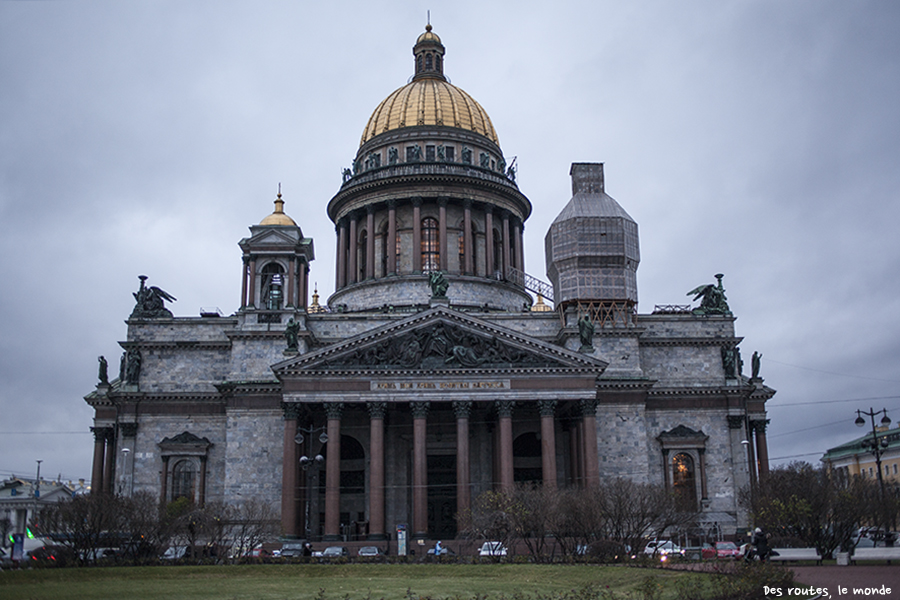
429,56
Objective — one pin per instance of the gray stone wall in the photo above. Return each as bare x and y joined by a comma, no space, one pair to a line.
183,369
622,442
683,365
254,456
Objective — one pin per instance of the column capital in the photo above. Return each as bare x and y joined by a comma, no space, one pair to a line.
462,408
377,410
468,203
442,201
100,433
419,409
291,410
735,421
370,209
588,407
547,408
392,203
333,410
417,201
759,425
504,407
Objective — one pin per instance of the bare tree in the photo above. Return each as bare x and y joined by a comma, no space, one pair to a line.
83,524
491,518
252,523
820,507
533,516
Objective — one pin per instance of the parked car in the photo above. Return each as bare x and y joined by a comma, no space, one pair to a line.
704,551
50,555
370,552
663,548
335,552
174,553
727,550
293,549
492,549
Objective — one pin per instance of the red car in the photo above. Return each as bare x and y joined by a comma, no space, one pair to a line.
727,550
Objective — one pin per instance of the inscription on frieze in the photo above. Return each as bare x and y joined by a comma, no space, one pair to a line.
437,386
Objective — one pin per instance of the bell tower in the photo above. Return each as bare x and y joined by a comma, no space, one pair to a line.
592,252
276,260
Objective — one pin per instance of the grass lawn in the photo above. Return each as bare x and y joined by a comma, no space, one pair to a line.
337,582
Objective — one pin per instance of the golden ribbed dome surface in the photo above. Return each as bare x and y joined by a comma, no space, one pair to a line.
429,101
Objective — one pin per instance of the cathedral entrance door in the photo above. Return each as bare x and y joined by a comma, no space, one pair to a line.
442,496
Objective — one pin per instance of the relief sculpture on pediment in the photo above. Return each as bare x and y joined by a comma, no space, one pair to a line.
438,347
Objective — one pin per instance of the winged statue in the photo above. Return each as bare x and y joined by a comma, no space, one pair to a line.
713,297
150,302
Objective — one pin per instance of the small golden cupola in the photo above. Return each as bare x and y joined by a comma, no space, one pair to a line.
278,217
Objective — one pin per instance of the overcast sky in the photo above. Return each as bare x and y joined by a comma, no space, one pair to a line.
756,139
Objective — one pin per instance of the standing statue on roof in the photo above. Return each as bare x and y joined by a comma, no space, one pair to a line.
586,333
291,334
103,373
714,301
438,284
754,365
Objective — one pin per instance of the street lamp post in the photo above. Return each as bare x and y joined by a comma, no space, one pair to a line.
310,466
877,448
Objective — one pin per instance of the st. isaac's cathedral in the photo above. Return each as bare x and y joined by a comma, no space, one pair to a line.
439,369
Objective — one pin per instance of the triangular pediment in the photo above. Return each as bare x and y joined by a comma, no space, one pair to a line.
440,340
268,237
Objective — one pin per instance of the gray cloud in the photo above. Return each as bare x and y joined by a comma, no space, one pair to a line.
758,139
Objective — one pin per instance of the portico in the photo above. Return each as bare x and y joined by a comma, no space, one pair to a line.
453,388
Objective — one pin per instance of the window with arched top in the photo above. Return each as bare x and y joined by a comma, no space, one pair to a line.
431,247
183,478
684,482
428,62
273,284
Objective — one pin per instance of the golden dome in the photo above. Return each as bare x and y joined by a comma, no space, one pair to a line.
429,101
428,36
278,217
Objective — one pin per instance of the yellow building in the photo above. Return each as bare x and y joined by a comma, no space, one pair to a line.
857,457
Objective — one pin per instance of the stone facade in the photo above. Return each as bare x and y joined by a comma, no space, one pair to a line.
398,405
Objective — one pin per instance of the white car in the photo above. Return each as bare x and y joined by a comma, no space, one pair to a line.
492,549
663,548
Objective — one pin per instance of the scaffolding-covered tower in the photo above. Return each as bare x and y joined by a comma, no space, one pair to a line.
592,252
